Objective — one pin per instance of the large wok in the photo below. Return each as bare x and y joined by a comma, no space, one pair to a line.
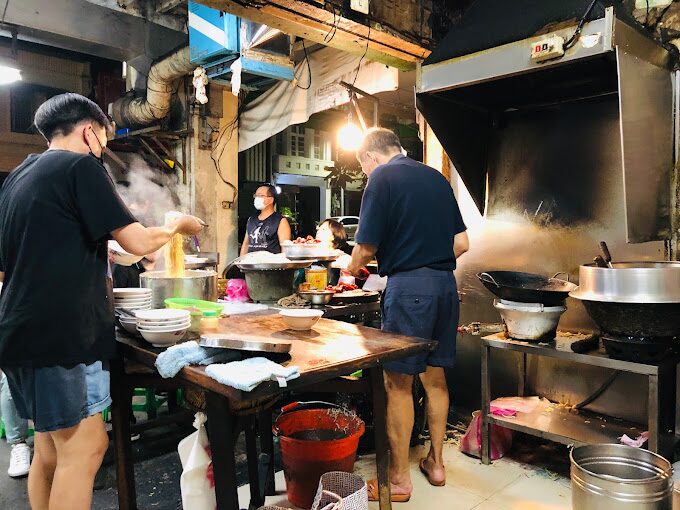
526,287
637,299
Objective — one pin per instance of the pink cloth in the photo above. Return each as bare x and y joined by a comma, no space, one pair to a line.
237,290
637,442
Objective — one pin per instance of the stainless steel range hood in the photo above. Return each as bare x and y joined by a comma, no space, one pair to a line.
468,99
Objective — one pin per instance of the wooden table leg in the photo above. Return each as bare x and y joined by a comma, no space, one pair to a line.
221,425
121,394
256,495
382,454
264,420
486,401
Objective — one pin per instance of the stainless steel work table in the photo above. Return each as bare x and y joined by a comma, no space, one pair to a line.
562,425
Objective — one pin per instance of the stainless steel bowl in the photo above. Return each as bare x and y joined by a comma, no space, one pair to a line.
194,284
317,297
630,282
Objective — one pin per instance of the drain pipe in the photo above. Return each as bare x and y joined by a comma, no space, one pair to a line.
160,85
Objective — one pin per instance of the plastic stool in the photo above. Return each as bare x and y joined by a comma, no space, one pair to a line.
31,431
151,402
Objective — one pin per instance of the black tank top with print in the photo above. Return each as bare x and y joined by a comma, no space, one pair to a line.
263,235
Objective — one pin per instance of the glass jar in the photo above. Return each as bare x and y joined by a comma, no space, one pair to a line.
210,322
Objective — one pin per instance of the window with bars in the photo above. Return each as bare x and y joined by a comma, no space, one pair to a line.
318,147
297,141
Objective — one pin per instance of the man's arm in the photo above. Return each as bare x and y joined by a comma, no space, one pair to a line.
362,254
284,231
245,245
140,240
461,244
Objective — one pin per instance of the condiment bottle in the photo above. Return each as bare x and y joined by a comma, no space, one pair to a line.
210,322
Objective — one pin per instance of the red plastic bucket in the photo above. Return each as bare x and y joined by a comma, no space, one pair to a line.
314,442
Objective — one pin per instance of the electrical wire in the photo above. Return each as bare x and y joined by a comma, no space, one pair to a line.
582,22
4,12
309,69
334,29
368,41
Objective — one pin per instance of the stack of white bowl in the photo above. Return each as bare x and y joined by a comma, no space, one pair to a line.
132,299
164,326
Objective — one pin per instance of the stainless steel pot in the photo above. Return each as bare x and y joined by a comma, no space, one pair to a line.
269,286
619,477
630,282
196,284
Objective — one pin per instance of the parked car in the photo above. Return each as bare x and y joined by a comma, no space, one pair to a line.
350,223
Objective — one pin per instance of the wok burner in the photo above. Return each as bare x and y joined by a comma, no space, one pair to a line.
641,349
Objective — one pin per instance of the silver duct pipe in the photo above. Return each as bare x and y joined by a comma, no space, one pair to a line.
160,85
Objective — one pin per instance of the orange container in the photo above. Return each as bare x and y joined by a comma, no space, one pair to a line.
314,442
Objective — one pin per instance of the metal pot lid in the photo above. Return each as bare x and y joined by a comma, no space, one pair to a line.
630,282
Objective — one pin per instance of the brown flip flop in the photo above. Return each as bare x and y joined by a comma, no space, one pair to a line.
372,486
427,475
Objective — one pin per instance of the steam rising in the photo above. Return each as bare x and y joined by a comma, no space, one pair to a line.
148,193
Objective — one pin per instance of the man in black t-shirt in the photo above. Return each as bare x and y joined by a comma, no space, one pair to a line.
267,229
411,222
57,211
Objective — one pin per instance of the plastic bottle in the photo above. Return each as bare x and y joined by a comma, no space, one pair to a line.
210,322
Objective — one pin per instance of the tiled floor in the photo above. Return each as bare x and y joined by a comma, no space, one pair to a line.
504,485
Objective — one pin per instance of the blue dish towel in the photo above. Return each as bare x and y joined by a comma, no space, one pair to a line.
248,374
175,358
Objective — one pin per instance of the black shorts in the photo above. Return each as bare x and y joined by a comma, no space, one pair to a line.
422,303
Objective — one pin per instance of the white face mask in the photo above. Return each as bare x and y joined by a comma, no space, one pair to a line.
259,203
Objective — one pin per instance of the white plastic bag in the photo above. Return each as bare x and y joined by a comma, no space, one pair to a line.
197,482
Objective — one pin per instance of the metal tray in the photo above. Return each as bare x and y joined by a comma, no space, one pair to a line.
366,297
274,267
329,258
226,341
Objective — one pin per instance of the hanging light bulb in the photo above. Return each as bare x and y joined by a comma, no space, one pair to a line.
350,136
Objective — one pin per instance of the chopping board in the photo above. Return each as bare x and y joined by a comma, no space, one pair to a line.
355,296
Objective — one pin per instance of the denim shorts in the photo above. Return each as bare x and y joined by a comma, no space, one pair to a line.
422,303
57,397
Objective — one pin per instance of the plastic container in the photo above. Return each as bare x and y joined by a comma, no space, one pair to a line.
210,322
196,307
314,442
317,277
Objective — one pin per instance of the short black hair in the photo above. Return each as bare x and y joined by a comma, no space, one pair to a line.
60,115
271,191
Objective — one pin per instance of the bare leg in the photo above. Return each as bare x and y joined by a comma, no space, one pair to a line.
434,382
400,418
42,471
80,451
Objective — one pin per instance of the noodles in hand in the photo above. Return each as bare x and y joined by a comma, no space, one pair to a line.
174,252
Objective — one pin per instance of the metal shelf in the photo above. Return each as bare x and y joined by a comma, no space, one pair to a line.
562,425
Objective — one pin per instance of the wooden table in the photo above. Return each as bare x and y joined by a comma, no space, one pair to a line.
332,349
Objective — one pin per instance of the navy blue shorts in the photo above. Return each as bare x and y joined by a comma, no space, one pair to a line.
57,398
422,303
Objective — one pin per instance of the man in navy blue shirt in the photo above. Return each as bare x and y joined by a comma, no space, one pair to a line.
411,222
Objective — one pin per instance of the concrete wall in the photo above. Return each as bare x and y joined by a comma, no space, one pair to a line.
210,195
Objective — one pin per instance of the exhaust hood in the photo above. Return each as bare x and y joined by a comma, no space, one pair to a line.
501,62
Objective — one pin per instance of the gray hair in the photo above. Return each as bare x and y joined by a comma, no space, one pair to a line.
379,140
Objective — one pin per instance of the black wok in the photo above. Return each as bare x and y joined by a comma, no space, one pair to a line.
657,320
526,287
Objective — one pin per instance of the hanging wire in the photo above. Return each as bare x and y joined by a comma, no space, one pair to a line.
4,12
368,41
572,40
309,69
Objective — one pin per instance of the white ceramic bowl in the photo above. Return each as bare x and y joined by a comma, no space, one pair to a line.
300,320
133,308
177,322
164,327
172,329
130,327
163,314
123,302
120,256
131,291
163,338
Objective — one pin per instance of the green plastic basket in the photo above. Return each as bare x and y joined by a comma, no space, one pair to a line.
195,306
